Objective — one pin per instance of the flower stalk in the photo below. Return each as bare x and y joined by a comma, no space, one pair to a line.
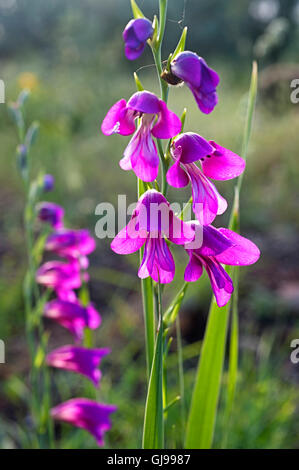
188,158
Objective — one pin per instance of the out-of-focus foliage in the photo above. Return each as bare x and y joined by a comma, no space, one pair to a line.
216,27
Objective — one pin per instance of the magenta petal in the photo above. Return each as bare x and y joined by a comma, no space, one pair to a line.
163,255
192,147
209,78
214,241
125,162
221,283
128,240
164,267
201,79
68,295
144,102
157,261
93,318
162,276
221,295
223,164
187,66
243,252
72,315
50,213
145,160
176,176
77,359
147,263
118,120
71,243
168,124
207,202
145,169
133,54
193,269
86,414
135,36
180,232
59,275
141,154
48,183
205,101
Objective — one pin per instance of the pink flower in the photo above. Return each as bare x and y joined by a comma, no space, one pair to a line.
70,243
73,316
201,79
220,246
86,414
141,153
217,162
51,213
59,275
151,222
49,182
77,359
135,35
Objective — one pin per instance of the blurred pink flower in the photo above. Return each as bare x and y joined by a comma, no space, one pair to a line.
86,414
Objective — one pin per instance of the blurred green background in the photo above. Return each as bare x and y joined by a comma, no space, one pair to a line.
70,54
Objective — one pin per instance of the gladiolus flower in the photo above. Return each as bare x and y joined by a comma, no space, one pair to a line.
77,359
151,222
201,79
141,153
217,162
70,243
220,246
48,183
73,316
59,275
86,414
135,35
51,213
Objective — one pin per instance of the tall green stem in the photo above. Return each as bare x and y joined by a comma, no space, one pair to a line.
148,307
153,430
37,340
181,377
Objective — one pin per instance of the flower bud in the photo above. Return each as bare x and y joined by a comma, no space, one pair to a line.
48,183
135,35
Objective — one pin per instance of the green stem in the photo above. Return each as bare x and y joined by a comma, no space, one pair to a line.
153,427
163,384
40,401
164,184
162,21
181,377
163,85
156,50
148,307
154,348
173,310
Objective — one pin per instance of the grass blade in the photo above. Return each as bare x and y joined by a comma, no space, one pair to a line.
201,421
203,410
153,429
137,13
235,225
